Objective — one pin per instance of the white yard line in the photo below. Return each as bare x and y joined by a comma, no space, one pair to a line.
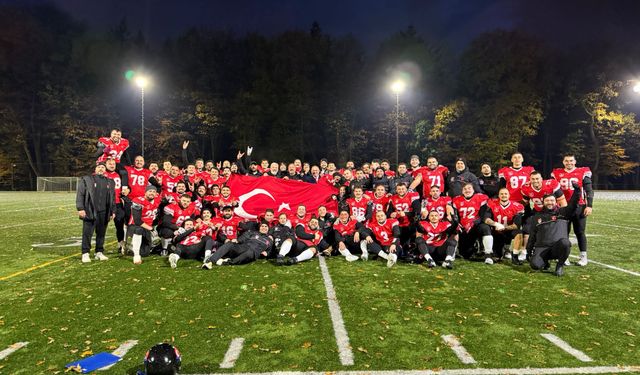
11,349
462,353
38,222
470,371
121,351
613,225
560,343
233,353
38,208
609,266
342,338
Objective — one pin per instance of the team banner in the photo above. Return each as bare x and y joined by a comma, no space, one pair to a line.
258,194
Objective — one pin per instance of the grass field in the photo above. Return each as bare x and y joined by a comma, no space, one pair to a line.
395,318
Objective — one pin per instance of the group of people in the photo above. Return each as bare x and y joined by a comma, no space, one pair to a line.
420,214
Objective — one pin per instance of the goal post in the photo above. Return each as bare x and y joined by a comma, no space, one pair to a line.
59,184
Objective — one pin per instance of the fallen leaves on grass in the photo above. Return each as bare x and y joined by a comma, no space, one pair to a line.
363,350
629,333
86,353
306,345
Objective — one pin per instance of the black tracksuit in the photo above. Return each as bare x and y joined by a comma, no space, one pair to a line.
248,249
96,196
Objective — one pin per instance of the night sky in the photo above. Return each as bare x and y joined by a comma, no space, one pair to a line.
452,22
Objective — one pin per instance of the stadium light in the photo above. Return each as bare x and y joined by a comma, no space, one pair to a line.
397,87
636,88
142,82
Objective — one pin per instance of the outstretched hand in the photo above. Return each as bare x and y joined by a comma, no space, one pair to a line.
185,144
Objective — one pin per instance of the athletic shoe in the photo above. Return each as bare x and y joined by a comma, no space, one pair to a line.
488,260
516,261
173,260
507,255
365,256
137,259
279,260
448,264
164,252
327,252
391,260
567,262
207,265
351,258
291,261
100,256
431,263
559,270
86,258
583,261
222,261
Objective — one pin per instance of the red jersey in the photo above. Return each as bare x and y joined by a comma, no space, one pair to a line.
505,214
439,205
404,204
433,177
383,232
469,209
358,208
138,181
180,214
390,173
316,240
112,150
435,235
149,209
169,183
549,187
380,204
230,226
345,229
295,220
515,180
565,178
417,171
196,236
228,201
115,176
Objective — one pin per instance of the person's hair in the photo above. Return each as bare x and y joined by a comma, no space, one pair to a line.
185,196
436,186
517,153
401,184
402,163
268,210
466,183
185,221
568,155
117,129
534,172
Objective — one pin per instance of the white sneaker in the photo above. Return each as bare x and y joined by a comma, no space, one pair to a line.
488,261
173,260
351,258
122,246
137,259
86,258
222,261
365,255
100,256
583,261
567,262
507,255
164,252
391,260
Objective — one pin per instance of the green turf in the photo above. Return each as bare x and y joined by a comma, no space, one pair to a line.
394,317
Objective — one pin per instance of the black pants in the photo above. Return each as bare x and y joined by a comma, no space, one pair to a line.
502,241
236,252
467,240
579,224
559,250
407,234
145,245
352,246
119,221
165,232
99,225
437,253
195,251
375,248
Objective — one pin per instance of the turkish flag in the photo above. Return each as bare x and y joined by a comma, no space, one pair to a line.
256,194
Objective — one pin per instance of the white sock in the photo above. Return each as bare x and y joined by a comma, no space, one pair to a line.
285,248
428,257
383,255
487,241
136,242
522,255
165,243
344,252
583,254
305,255
363,246
122,243
207,253
449,258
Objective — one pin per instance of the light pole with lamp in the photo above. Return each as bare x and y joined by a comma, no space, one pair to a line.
142,82
397,87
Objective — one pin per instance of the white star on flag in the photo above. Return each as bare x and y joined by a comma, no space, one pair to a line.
283,206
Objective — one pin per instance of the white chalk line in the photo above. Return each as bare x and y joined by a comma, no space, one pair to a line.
557,341
233,353
470,371
342,338
121,351
38,208
13,348
609,266
462,353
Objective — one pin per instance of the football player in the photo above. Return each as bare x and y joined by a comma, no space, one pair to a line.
382,237
470,207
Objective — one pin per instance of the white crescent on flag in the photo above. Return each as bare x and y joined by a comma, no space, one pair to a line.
240,211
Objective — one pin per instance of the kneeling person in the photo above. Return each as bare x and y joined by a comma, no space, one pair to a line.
143,214
192,242
309,240
382,238
436,240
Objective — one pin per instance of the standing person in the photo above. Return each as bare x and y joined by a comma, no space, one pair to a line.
489,183
582,177
515,176
433,174
95,202
120,178
112,147
460,177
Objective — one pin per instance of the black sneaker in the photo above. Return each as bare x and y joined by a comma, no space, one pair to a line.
515,260
291,261
559,270
280,260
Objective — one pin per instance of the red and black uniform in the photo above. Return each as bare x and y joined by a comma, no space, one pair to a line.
471,213
108,149
230,228
169,183
433,177
384,235
508,214
143,211
361,209
193,243
138,181
307,238
514,179
531,194
174,216
409,205
440,205
582,177
344,232
438,241
381,203
118,178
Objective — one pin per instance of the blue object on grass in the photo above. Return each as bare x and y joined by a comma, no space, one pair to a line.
94,362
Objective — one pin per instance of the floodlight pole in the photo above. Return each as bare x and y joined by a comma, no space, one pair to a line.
397,125
142,116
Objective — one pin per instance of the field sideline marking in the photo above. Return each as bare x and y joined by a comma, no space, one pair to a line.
462,353
233,353
37,222
12,348
614,226
560,343
609,266
45,264
342,338
38,208
470,371
121,351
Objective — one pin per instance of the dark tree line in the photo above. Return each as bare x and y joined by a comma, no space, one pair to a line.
307,94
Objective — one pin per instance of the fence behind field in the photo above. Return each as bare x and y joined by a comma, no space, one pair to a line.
63,184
